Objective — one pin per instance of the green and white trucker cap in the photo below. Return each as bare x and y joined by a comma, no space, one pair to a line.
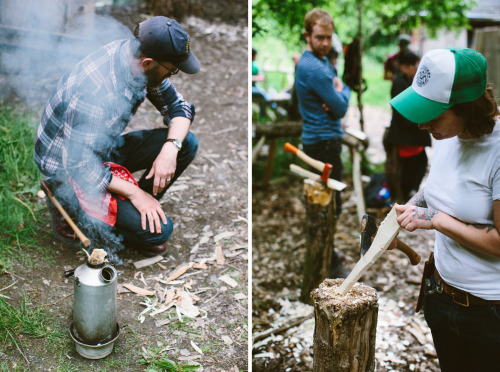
444,77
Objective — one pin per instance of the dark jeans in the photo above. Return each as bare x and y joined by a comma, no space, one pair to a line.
137,152
466,338
329,152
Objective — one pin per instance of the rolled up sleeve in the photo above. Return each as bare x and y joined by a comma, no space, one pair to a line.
170,102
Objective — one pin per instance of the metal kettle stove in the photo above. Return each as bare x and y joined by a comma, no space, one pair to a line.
94,328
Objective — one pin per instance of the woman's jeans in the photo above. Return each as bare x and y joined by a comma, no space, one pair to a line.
466,338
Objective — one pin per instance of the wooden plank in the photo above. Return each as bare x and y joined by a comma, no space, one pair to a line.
387,231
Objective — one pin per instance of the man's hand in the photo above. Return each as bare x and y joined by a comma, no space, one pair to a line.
411,217
150,210
163,168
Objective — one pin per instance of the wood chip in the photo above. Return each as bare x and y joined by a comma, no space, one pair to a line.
198,350
224,235
147,262
221,260
228,280
233,254
98,256
227,340
162,322
140,291
178,188
121,289
179,271
240,296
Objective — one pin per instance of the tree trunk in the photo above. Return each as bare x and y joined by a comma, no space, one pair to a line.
320,228
345,328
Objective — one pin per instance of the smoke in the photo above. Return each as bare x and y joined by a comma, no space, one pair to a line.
42,39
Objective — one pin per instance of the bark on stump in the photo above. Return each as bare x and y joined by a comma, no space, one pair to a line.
319,230
345,328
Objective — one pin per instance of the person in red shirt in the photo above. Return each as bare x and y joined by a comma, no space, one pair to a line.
404,142
391,65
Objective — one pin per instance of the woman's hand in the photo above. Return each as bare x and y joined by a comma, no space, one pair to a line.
411,217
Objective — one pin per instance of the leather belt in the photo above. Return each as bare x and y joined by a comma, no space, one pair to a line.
463,298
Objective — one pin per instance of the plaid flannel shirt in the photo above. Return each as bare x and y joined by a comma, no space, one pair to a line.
89,110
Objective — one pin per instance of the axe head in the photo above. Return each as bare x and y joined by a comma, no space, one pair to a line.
368,230
326,172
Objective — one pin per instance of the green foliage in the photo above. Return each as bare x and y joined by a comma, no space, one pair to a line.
164,364
288,15
19,179
383,21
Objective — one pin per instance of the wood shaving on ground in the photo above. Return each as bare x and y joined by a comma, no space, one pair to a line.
228,280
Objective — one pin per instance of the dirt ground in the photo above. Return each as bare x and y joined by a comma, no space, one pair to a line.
403,341
209,208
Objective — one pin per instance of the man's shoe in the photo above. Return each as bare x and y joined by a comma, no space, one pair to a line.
149,250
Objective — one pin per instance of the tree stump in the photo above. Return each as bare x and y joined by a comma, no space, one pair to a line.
345,328
320,226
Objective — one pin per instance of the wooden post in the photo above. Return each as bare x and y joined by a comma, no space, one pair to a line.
345,328
360,37
320,226
268,172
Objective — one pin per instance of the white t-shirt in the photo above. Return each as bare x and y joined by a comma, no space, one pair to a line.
463,182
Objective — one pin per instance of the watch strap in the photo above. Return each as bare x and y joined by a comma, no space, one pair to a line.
176,142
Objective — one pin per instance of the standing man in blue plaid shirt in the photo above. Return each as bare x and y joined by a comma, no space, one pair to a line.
323,101
87,160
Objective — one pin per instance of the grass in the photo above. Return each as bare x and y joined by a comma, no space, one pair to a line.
157,361
29,320
19,179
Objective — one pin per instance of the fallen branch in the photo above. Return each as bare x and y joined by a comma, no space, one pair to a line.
10,285
18,348
14,275
282,329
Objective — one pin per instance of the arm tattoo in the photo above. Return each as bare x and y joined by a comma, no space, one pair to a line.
418,199
424,213
478,226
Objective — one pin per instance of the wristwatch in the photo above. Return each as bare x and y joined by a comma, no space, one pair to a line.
176,142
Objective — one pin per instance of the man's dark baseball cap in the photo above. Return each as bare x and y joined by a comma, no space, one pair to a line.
164,39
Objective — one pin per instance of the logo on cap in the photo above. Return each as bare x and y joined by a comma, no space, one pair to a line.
423,76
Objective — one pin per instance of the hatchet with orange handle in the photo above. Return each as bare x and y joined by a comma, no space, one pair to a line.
324,168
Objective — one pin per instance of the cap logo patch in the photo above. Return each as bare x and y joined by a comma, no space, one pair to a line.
187,45
423,76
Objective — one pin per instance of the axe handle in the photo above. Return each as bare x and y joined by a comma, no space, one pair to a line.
407,250
85,241
316,164
333,184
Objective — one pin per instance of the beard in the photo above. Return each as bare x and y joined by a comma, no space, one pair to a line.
154,78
